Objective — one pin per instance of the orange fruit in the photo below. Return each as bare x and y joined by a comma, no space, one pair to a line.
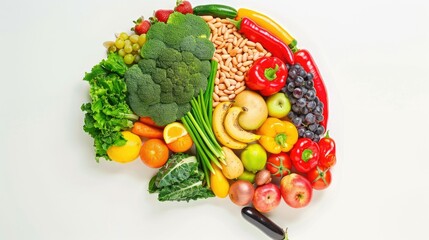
174,131
154,153
182,144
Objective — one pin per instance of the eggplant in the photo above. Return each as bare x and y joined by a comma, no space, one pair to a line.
263,223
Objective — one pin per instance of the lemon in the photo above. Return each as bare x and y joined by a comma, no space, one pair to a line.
128,152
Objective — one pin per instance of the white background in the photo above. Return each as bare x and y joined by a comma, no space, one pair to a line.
374,59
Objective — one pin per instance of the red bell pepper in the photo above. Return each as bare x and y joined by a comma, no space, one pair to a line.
257,34
327,151
267,75
304,58
305,155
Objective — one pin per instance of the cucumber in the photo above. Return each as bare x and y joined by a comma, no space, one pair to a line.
215,10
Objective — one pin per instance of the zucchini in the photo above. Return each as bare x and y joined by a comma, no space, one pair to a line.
215,10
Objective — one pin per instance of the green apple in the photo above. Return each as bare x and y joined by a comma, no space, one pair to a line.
254,157
278,105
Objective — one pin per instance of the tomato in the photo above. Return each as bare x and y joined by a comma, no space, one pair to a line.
319,177
154,153
128,152
279,164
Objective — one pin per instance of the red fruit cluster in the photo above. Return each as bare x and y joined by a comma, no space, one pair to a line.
161,15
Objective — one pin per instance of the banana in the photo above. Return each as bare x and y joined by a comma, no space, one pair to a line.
219,114
233,128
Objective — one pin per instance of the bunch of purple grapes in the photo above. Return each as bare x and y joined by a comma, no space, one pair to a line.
307,110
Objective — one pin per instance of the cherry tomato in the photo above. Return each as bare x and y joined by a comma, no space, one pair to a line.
319,177
279,164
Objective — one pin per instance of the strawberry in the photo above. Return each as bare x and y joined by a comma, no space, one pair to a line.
161,15
183,7
141,26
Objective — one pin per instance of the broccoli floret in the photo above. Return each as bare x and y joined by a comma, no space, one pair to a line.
199,82
188,44
192,23
172,69
188,57
205,68
159,76
167,97
175,80
163,114
184,93
193,63
183,109
181,71
142,86
204,49
157,31
175,35
147,66
152,49
167,57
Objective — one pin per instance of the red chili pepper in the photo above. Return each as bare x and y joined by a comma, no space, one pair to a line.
257,34
267,75
327,152
304,58
305,155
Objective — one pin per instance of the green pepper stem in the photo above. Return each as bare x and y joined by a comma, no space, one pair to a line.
307,154
281,139
237,23
270,73
327,134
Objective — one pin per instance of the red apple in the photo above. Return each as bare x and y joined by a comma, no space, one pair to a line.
296,190
266,197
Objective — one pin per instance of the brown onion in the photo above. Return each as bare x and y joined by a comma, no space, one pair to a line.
241,192
262,177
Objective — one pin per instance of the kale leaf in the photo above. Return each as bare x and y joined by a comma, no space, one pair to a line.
180,179
178,168
190,189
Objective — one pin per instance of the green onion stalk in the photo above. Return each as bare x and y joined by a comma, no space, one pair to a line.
198,123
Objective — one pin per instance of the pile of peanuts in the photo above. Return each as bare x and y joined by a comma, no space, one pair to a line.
235,55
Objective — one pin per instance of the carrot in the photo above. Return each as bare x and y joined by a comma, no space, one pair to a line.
149,121
145,130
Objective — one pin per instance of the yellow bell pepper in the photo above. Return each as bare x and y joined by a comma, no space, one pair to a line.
269,25
277,135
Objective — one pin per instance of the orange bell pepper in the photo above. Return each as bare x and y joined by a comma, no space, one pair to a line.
277,135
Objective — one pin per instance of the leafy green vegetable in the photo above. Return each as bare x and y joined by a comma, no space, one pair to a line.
178,168
180,179
108,113
190,189
173,69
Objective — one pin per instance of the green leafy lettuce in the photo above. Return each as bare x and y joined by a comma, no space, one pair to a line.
108,112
